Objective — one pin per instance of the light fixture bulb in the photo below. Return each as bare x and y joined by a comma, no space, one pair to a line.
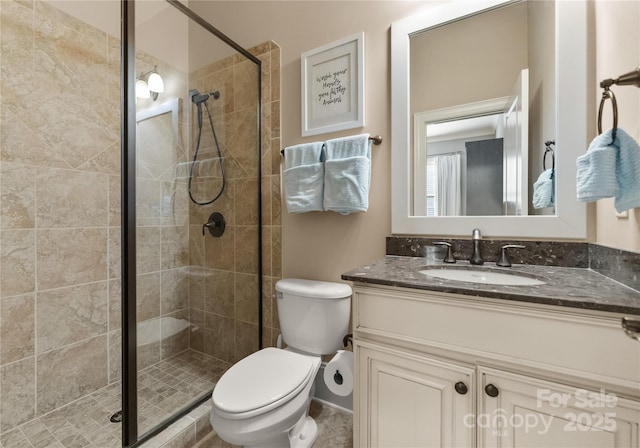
155,82
142,89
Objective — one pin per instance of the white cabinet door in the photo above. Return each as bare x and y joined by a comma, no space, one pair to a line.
406,400
523,412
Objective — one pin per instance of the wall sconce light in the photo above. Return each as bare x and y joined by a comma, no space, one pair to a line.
142,89
149,84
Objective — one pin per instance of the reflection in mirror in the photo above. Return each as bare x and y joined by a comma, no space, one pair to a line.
475,163
497,64
519,66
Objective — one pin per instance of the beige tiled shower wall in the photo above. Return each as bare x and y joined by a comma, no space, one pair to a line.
224,271
59,154
60,212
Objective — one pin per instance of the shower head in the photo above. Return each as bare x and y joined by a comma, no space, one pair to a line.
198,98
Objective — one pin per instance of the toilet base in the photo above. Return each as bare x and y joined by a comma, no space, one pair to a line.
304,434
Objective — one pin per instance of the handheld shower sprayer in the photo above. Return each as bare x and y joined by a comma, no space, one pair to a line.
198,98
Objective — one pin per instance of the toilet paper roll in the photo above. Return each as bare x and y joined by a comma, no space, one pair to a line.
338,373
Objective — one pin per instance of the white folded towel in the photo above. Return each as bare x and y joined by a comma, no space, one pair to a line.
304,177
347,174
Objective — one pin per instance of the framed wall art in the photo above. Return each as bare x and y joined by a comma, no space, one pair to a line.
333,86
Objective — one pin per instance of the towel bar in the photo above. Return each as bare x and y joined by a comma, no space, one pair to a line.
631,78
376,140
608,94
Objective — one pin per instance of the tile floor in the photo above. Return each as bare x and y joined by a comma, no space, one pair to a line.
163,388
335,429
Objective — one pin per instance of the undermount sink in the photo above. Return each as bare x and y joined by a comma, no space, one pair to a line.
482,275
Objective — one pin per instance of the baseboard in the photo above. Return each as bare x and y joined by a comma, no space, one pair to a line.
332,405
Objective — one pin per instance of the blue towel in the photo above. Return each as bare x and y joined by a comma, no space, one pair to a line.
627,172
543,189
596,174
303,178
347,174
611,169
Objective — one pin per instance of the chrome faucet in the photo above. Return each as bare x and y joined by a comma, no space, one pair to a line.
476,256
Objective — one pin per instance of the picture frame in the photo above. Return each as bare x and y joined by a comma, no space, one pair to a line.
332,80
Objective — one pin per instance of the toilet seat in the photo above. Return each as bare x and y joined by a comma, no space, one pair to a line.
262,381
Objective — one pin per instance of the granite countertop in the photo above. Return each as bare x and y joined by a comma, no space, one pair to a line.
570,287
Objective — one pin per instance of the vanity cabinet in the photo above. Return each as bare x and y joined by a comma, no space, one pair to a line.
412,400
533,375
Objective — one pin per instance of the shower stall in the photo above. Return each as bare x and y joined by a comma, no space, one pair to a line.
136,185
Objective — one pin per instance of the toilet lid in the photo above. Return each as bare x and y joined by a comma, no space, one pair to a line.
260,379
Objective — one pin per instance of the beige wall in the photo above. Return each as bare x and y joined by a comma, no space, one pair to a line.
617,51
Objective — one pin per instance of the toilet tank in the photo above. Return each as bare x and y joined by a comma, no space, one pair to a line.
314,315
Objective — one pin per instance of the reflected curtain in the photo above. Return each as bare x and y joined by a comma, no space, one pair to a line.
449,190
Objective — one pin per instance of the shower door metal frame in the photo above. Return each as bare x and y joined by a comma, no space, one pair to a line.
130,437
128,225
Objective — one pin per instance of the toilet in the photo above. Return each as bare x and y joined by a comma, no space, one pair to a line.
263,400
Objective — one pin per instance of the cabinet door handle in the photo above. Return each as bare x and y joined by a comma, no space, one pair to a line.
491,390
461,388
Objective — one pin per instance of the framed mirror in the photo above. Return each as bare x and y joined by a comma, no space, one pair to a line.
478,88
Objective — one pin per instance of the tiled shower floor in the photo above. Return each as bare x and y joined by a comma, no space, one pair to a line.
163,388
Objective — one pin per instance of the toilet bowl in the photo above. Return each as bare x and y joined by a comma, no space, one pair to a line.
263,400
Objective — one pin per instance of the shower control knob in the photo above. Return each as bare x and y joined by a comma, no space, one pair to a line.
461,388
491,390
215,225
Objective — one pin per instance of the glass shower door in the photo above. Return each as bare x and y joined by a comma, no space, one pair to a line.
197,211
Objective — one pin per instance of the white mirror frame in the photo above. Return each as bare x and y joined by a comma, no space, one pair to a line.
569,222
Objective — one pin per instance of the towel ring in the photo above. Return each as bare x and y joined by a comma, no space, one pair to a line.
608,94
549,149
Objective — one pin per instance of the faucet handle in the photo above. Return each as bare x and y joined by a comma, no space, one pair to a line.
504,259
448,258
